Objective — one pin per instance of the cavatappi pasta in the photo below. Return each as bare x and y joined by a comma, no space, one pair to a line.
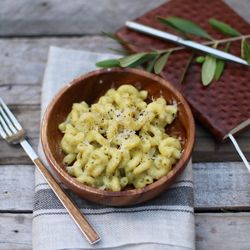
120,140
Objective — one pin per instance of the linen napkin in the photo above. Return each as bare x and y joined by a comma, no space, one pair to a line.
166,222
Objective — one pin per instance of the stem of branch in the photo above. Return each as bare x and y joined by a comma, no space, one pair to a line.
231,39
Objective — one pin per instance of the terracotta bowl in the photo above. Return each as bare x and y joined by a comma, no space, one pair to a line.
89,88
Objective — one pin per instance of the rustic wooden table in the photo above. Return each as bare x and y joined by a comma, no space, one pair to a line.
27,29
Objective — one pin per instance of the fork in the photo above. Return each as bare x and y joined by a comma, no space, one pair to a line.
13,133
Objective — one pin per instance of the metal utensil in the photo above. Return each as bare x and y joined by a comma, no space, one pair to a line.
176,39
13,133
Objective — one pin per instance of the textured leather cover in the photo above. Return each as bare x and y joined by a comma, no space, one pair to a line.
225,103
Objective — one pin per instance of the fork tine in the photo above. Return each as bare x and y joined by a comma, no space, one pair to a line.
11,116
2,133
8,121
5,127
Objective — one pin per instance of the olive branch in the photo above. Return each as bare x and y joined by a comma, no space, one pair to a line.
155,60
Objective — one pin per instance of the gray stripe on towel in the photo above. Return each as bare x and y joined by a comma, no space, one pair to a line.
118,211
178,196
46,185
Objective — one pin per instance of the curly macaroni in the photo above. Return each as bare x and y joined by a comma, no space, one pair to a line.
120,140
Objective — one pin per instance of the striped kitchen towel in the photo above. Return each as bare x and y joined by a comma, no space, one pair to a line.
166,222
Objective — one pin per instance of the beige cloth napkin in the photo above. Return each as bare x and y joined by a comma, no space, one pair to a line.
166,222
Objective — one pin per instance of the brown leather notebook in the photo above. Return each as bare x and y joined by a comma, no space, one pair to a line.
222,107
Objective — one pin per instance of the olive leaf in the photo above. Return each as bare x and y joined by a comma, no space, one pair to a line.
108,63
151,64
130,60
220,65
185,26
223,27
246,51
134,61
219,69
160,63
208,70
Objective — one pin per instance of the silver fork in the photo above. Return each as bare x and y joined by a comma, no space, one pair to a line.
13,133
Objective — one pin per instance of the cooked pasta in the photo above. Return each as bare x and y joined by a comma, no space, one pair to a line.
120,140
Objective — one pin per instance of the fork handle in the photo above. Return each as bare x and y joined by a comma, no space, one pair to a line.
80,220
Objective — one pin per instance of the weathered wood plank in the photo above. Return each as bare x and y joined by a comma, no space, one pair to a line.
28,17
217,186
16,187
206,148
21,94
221,185
224,231
227,231
15,231
51,17
23,60
29,117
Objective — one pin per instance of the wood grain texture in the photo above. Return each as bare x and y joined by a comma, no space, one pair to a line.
24,94
221,185
41,17
16,187
213,231
29,117
15,231
24,60
228,231
50,17
217,186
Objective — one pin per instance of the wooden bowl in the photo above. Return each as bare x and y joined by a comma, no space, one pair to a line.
89,88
